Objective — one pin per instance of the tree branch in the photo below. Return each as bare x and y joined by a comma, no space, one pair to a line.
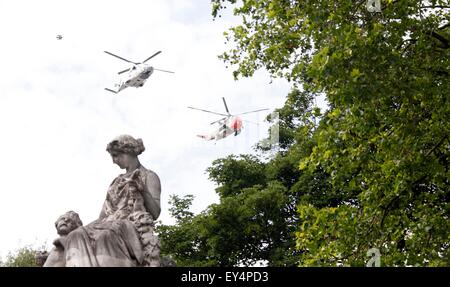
442,39
437,145
434,7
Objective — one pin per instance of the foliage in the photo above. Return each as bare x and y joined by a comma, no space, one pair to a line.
256,218
180,207
22,257
234,175
183,242
371,171
383,147
247,226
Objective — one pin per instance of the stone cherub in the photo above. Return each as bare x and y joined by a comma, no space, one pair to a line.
66,223
142,221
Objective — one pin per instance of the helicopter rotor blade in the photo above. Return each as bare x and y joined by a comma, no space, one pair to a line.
152,56
126,70
225,103
120,57
252,112
163,71
112,91
208,112
251,122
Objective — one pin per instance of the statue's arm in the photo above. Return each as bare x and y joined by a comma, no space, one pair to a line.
55,258
103,211
105,203
152,195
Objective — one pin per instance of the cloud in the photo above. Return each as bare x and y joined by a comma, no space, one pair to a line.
56,119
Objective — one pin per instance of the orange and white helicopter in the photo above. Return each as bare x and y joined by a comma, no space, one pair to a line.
228,125
137,74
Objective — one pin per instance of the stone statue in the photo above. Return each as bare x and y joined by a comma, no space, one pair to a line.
144,225
66,223
123,234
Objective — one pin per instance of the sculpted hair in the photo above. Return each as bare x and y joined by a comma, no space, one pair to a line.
126,144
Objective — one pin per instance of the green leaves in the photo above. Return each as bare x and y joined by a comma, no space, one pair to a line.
180,207
22,257
235,174
373,169
319,236
247,227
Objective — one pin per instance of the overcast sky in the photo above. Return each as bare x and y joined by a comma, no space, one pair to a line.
56,119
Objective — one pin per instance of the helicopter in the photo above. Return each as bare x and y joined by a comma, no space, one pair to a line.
228,125
137,74
59,37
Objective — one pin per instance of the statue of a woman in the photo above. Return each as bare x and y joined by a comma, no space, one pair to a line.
112,239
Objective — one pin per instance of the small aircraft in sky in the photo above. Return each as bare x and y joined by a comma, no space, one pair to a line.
137,74
59,37
228,125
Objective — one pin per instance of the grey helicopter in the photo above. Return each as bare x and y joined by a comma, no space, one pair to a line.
136,75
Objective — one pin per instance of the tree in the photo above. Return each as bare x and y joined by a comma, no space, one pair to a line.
243,229
183,242
22,257
384,143
256,218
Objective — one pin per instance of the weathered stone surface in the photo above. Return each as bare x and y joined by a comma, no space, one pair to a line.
123,234
144,225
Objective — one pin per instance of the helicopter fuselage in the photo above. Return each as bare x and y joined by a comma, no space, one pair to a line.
135,77
229,126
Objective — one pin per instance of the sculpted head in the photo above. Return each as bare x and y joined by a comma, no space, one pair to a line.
124,150
67,222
